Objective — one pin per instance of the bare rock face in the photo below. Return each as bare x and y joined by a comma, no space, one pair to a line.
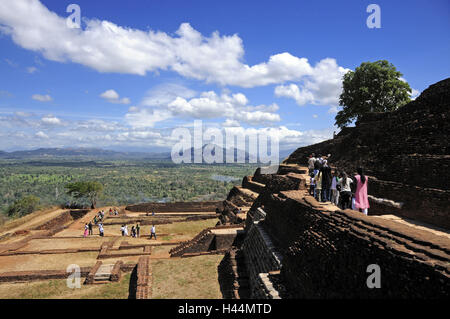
406,152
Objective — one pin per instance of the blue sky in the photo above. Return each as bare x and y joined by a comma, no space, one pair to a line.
137,69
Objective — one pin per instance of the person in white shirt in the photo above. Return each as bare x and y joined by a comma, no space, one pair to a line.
334,189
346,191
153,232
311,161
100,229
126,230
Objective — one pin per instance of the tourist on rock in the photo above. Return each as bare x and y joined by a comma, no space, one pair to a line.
126,230
318,189
346,191
312,185
361,198
326,182
90,228
138,229
320,160
317,167
100,229
122,229
86,230
153,232
311,161
335,187
133,232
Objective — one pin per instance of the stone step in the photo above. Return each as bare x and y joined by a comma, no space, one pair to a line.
104,272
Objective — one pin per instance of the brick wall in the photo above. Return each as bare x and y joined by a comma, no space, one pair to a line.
260,257
326,253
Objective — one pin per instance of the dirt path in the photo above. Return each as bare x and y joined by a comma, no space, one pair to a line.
35,221
79,223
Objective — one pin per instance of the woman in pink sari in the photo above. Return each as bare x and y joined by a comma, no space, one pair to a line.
86,230
361,199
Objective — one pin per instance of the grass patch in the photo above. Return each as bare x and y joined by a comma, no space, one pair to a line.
186,278
56,289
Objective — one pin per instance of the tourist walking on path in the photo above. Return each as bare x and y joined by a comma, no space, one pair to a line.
311,161
318,189
133,232
334,188
100,229
361,198
126,230
326,182
153,232
90,228
312,185
138,230
346,191
122,229
86,230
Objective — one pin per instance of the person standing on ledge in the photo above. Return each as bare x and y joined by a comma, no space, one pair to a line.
361,198
100,229
346,191
90,228
311,161
138,229
86,230
326,182
153,232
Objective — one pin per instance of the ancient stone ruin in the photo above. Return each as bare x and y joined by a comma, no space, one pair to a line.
277,241
296,247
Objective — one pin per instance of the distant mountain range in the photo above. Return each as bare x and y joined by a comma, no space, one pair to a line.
92,153
97,153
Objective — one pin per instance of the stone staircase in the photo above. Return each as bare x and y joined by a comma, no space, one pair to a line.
103,274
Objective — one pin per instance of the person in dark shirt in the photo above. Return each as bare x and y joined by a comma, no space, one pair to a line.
326,182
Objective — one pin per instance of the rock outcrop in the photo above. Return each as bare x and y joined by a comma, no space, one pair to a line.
296,247
406,153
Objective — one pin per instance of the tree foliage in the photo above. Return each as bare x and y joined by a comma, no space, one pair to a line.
88,190
23,206
372,87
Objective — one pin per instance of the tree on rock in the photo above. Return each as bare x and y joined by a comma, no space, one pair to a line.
372,87
88,190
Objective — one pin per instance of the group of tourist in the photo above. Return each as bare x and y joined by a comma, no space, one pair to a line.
88,229
98,221
135,231
327,185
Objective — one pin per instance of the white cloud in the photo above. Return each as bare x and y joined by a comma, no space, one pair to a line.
31,69
146,118
163,94
231,106
42,98
107,47
322,87
51,120
41,135
230,123
414,94
113,97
